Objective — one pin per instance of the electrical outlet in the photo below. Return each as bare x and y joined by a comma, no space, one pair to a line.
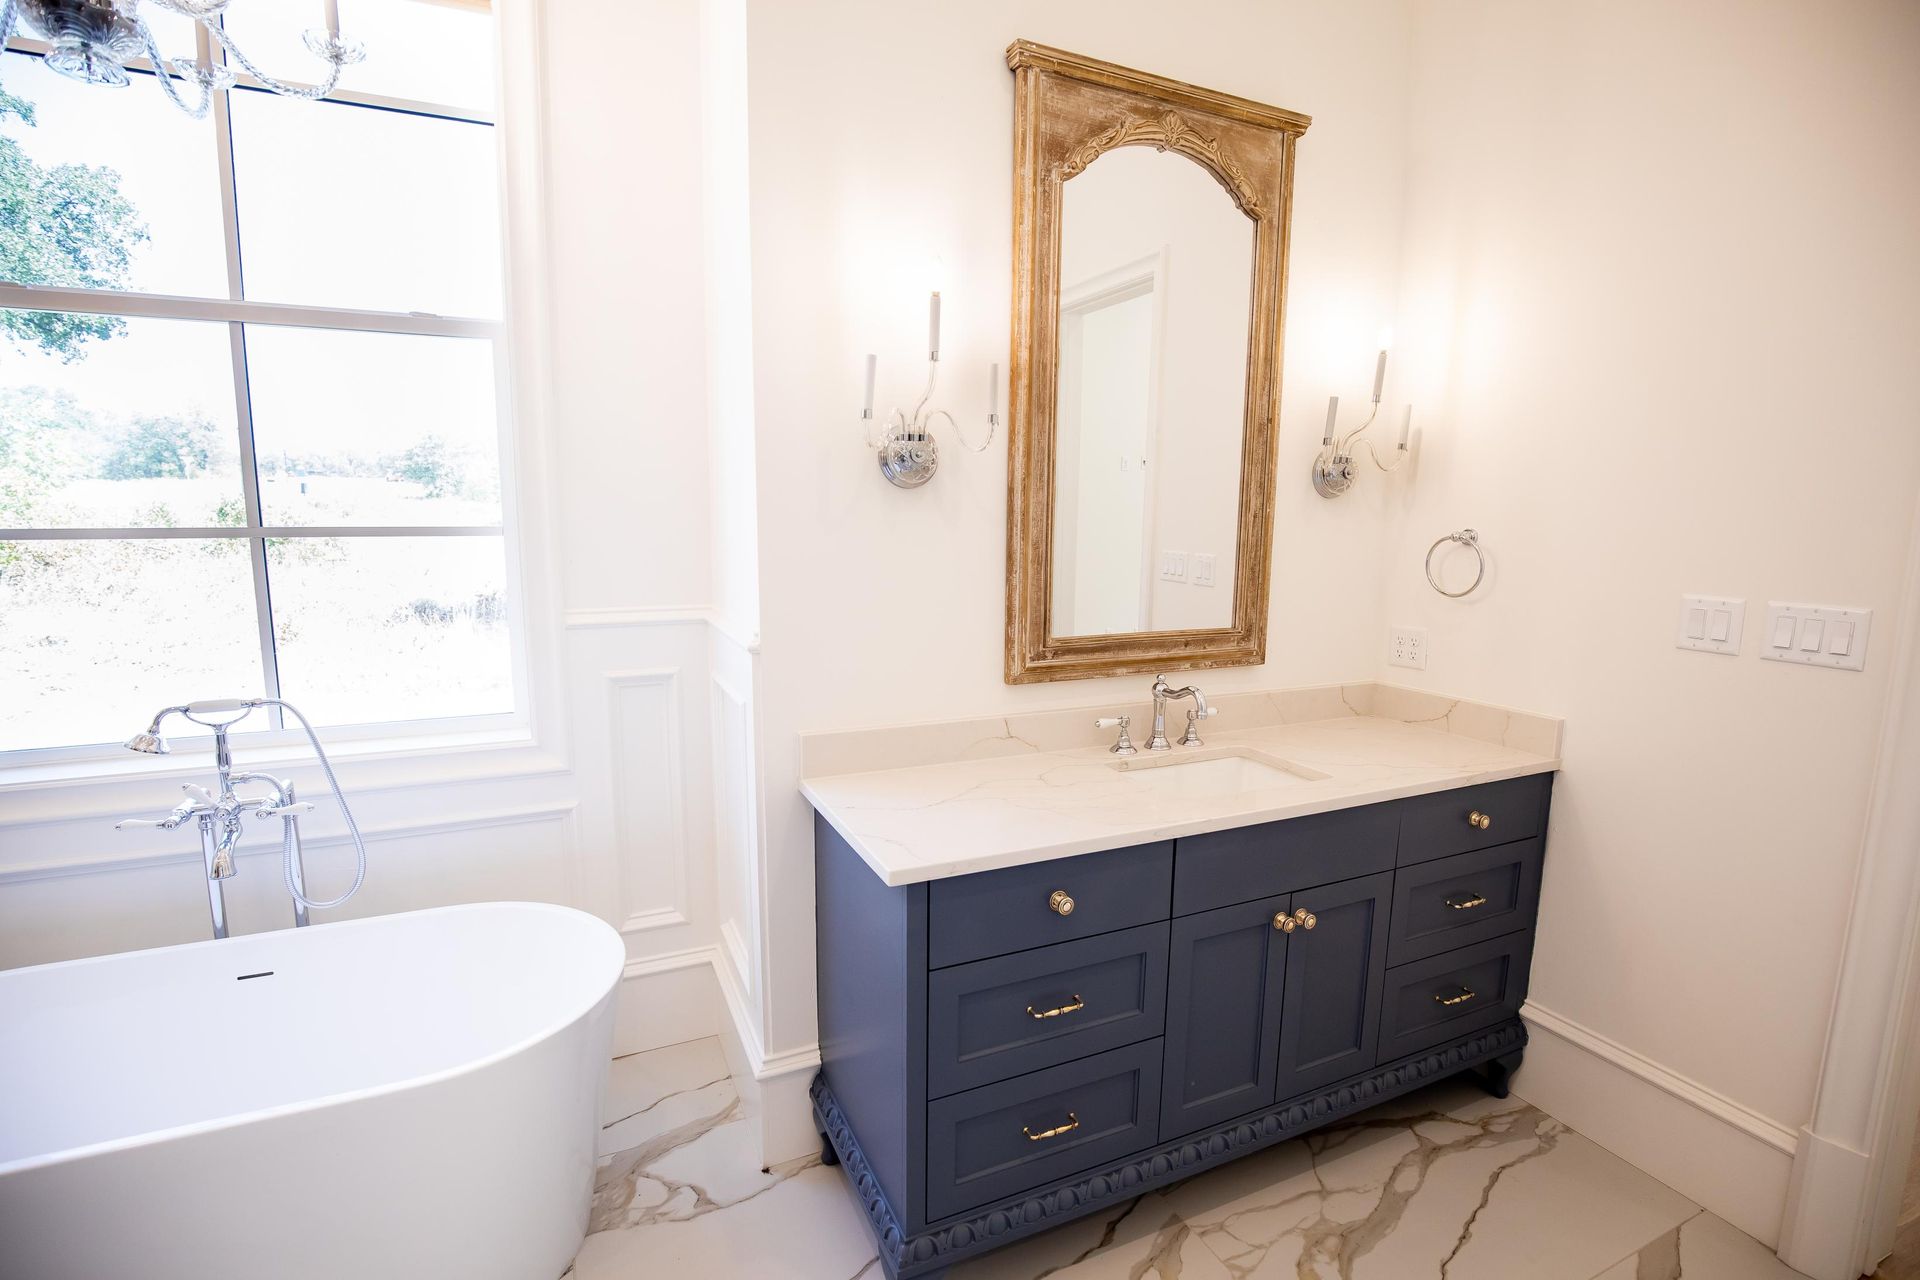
1202,570
1407,647
1173,566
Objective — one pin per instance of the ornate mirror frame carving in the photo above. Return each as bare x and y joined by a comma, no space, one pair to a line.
1068,111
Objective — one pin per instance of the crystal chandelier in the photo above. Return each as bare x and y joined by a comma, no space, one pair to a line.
91,41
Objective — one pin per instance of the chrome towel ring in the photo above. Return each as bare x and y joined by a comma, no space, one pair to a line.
1466,538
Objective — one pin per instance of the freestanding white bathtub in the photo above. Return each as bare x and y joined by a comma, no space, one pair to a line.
405,1096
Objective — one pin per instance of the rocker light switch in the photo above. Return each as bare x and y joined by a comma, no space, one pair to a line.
1711,624
1817,636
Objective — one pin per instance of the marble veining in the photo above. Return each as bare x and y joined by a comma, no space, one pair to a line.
931,821
1442,1184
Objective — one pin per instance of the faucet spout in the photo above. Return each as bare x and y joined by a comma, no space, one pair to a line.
1164,693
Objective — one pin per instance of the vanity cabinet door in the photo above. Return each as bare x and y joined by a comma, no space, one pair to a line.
1224,986
1330,1013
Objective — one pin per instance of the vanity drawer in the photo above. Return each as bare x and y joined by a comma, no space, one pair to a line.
1003,1017
1224,867
995,912
1468,898
1465,818
1004,1138
1453,994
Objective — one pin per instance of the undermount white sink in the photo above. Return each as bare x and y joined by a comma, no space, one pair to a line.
1222,773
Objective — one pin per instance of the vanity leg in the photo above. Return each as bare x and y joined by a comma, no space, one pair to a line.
828,1156
1495,1075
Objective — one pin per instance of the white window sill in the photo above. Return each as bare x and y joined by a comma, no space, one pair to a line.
125,784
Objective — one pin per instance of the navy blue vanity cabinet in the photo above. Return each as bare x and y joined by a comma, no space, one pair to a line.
1005,1051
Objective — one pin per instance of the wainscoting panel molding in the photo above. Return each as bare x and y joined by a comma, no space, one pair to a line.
647,749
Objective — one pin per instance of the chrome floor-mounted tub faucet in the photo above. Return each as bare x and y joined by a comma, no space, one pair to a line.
218,813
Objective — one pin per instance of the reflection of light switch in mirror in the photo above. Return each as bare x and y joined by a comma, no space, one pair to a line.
1173,566
1711,624
1202,571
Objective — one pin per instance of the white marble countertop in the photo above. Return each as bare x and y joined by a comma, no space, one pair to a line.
931,821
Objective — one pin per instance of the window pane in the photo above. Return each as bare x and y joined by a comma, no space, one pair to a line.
349,206
96,636
134,184
409,439
376,629
427,52
117,423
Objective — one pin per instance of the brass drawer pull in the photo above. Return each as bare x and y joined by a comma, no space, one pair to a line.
1466,994
1073,1122
1467,904
1061,903
1076,1006
1480,820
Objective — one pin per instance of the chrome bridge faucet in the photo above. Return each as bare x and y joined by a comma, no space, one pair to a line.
1162,694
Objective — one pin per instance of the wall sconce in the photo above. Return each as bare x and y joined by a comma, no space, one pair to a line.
908,454
1333,470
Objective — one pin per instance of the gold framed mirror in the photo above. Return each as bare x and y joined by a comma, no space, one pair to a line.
1150,232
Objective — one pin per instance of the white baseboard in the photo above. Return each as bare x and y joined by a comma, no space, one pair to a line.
1711,1149
665,1000
773,1085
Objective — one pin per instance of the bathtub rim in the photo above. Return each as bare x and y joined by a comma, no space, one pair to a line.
68,1154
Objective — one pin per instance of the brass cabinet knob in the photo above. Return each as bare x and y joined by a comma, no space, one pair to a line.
1285,923
1306,918
1061,903
1479,819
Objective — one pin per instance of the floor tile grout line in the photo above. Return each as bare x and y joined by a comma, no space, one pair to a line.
1635,1251
621,1057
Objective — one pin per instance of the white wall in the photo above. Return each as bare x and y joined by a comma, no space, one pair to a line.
1658,320
880,134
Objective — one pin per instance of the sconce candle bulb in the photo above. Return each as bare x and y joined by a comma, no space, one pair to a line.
1380,373
873,366
1406,426
1333,418
933,326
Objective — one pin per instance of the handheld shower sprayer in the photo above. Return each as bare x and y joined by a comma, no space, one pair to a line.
219,715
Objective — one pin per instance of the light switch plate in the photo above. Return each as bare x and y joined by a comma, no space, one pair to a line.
1816,635
1173,566
1202,570
1407,647
1711,624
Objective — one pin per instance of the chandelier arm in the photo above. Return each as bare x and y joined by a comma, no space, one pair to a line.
166,75
198,10
282,87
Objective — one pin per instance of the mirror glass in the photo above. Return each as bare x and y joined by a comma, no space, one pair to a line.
1156,276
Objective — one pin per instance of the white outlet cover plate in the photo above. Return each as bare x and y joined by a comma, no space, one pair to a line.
1711,624
1407,647
1815,635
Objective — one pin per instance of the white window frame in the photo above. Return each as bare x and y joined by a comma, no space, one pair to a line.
429,738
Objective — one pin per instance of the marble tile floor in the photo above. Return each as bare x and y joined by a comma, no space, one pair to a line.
1445,1183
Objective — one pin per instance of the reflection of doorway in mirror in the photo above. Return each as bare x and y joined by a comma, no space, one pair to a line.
1107,426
